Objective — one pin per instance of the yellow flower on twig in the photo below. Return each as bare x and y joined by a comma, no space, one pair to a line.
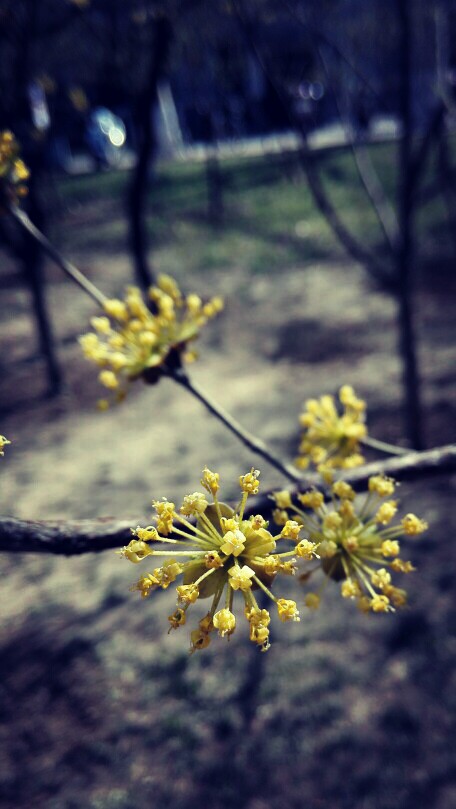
331,439
219,554
13,171
131,341
3,442
357,545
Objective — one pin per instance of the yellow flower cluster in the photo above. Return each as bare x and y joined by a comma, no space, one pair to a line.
13,171
132,341
331,439
217,555
3,442
357,546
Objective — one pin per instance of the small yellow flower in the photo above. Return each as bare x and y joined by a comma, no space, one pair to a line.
386,512
282,499
306,549
3,443
136,550
312,499
131,341
350,589
13,171
188,593
165,516
225,622
220,554
380,603
390,547
194,504
213,560
381,485
241,577
288,610
413,526
356,543
343,490
291,530
210,481
233,543
249,483
331,440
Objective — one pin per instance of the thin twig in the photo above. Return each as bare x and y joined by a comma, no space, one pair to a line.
244,436
384,446
76,275
74,537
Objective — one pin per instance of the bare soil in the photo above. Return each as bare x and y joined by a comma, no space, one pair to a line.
99,707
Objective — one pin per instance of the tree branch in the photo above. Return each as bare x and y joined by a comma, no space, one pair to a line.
74,537
353,247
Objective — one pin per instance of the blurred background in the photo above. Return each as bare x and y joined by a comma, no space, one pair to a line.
297,158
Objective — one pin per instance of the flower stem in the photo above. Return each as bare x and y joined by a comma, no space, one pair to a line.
250,441
383,446
68,268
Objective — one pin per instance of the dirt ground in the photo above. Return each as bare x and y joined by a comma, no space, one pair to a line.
99,707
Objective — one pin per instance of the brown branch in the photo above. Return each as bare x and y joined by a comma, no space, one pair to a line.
63,537
73,537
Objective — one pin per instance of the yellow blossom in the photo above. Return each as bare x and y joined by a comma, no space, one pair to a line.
241,577
386,512
194,504
381,485
413,526
132,341
225,622
13,171
390,547
313,499
282,499
350,589
380,603
165,515
356,542
210,481
291,530
220,554
249,483
188,593
136,550
288,610
3,442
343,490
331,439
306,549
233,542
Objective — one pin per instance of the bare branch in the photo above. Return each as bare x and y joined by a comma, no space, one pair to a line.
249,440
63,537
369,178
74,537
354,248
76,275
